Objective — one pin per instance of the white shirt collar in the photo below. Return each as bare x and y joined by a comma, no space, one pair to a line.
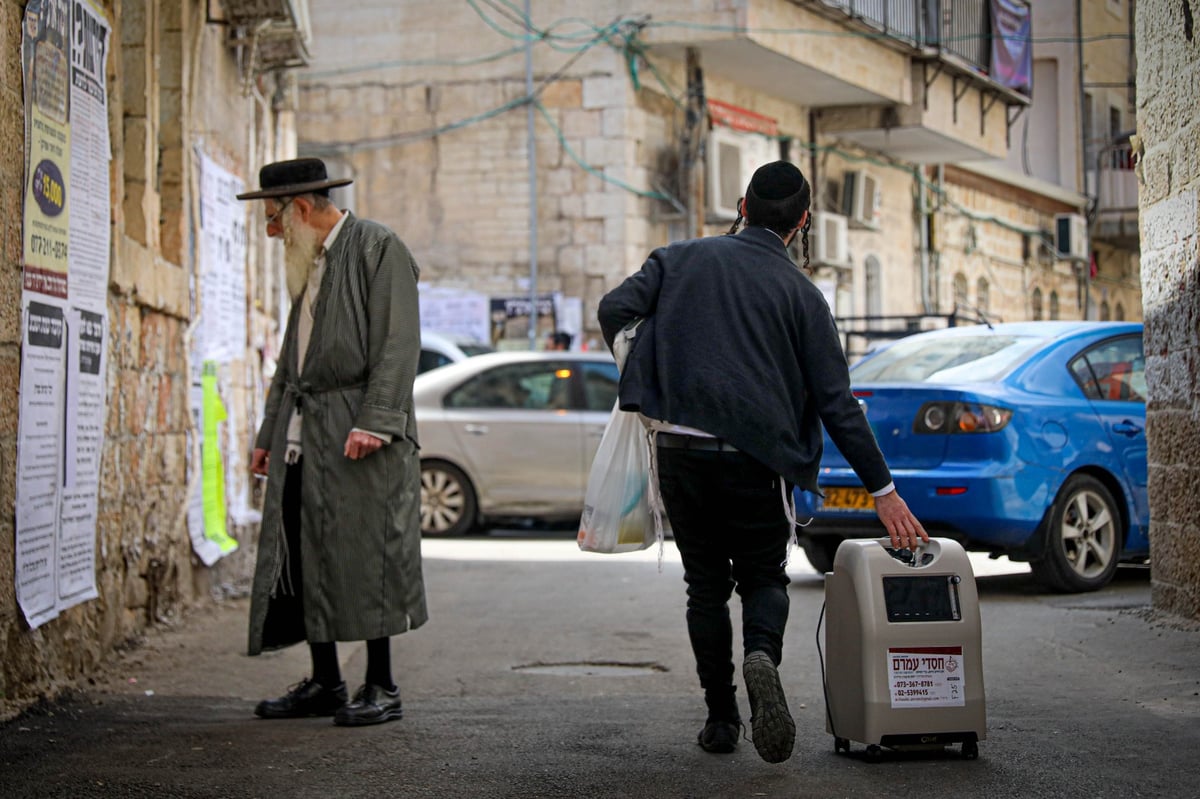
333,234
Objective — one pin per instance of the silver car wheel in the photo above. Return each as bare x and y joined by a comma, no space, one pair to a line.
447,500
1089,534
1083,537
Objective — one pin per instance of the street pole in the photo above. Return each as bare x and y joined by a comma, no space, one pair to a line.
533,204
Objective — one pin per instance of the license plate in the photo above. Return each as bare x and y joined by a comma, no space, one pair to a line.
843,498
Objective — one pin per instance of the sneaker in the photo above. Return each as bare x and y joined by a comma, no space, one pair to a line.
305,698
771,723
719,737
371,705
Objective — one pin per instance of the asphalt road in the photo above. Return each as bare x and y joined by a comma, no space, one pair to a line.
545,672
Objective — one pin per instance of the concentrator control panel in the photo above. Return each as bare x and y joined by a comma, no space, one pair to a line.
922,598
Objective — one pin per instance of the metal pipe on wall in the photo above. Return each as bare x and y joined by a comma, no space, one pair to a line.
1081,161
531,149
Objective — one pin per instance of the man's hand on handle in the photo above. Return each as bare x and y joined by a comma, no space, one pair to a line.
904,529
260,461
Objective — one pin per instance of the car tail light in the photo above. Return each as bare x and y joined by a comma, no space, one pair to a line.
960,417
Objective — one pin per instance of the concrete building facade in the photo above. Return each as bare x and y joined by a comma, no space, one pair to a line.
181,78
636,126
1168,135
1068,156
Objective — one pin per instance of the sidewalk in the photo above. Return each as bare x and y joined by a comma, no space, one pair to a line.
510,692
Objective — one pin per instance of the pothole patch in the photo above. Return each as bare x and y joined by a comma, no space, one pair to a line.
592,668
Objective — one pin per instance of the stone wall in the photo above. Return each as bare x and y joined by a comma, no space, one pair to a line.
1168,92
174,83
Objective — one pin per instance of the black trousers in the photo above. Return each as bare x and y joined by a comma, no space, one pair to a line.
728,520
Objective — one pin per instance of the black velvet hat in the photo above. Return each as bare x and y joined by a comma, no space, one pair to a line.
289,178
775,181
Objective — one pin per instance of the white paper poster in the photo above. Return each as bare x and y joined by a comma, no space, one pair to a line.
455,311
221,273
39,460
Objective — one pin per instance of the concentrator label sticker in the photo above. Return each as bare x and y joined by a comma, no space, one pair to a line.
926,676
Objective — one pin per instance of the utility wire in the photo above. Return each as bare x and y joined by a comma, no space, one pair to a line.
628,29
548,36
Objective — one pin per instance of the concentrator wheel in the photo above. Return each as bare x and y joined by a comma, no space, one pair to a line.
841,745
874,754
970,750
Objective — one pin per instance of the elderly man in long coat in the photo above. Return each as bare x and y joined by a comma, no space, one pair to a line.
339,555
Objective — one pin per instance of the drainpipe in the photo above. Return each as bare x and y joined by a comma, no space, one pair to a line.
936,276
812,157
923,233
1082,160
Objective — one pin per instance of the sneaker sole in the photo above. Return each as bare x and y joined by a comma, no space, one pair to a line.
771,722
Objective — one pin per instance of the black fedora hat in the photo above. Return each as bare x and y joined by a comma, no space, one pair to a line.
288,178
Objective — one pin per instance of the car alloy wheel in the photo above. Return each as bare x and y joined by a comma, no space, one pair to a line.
448,505
1083,541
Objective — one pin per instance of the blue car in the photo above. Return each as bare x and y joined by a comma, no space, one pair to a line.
1025,439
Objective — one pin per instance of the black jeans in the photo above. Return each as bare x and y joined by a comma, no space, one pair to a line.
727,516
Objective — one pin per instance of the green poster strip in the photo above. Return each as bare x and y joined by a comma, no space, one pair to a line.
213,476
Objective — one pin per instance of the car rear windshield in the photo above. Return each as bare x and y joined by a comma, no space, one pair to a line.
475,349
945,359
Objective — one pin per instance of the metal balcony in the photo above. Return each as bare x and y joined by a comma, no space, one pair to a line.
277,31
1113,183
958,28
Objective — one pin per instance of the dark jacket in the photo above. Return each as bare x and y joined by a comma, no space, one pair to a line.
739,343
360,531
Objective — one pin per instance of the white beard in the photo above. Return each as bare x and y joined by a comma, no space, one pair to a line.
300,247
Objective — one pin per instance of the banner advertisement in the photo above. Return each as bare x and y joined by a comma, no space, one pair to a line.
511,318
66,243
1012,45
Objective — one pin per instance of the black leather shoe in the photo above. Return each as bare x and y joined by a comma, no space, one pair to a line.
372,705
306,698
719,737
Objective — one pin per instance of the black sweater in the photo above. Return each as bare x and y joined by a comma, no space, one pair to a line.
739,343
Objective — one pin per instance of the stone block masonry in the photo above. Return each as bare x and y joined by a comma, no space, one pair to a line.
1168,90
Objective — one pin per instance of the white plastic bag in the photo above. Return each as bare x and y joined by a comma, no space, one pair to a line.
617,515
617,511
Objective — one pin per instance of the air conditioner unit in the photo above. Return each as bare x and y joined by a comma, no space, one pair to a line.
732,158
861,199
829,241
1071,236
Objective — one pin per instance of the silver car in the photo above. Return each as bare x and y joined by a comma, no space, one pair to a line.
510,435
439,349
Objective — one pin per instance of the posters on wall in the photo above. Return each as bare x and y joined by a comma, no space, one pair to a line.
65,231
222,491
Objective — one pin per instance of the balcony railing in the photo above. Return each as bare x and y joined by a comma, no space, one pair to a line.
959,27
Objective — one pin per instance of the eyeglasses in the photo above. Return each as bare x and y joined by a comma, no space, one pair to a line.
274,218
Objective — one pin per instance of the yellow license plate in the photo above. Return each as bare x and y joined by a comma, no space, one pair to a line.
841,498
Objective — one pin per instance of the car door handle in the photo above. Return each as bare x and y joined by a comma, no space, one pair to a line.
1127,428
476,429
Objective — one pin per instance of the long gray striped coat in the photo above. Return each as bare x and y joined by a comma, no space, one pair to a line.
360,533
